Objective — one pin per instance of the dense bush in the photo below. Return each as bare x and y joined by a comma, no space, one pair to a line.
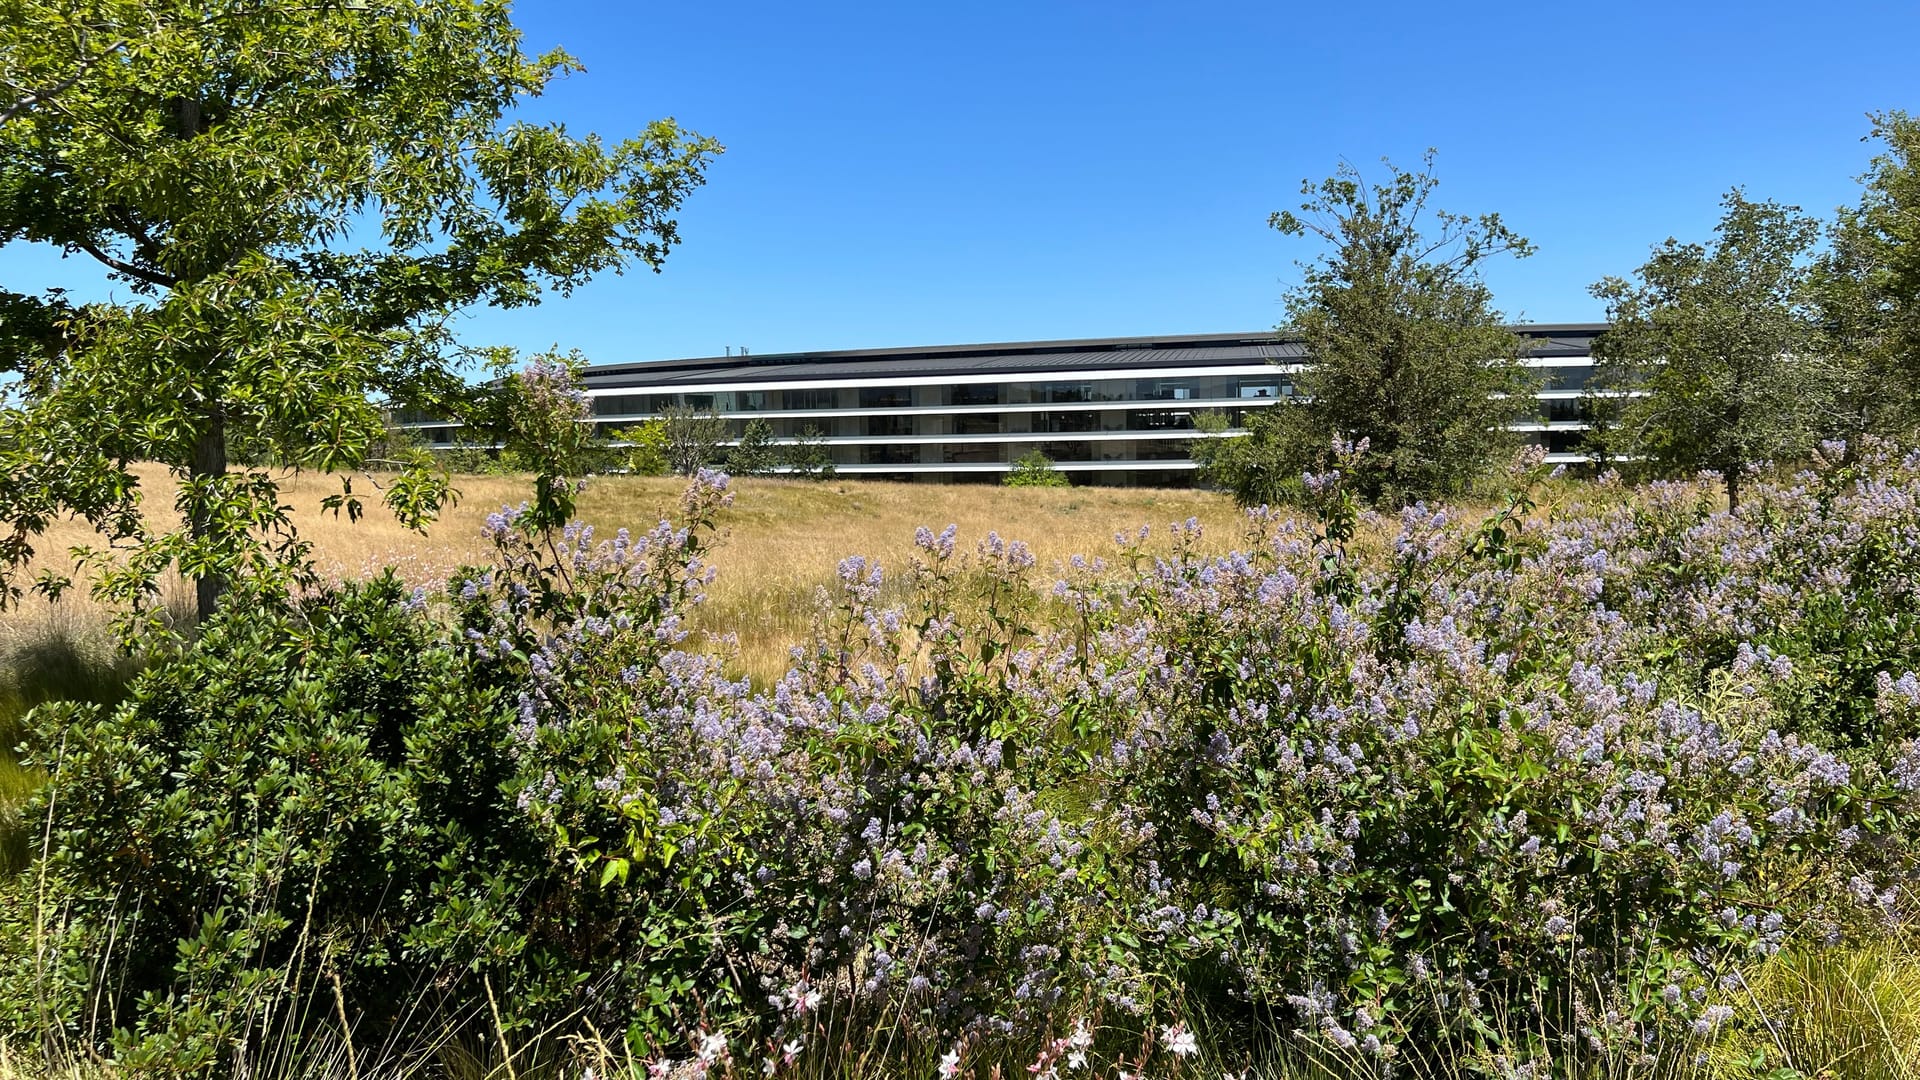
1035,469
1510,787
313,792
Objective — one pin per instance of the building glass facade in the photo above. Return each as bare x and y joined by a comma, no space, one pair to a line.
1107,411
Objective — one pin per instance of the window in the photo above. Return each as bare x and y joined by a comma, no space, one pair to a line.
813,399
976,424
976,394
1260,388
1565,410
1165,390
1565,442
1158,420
971,455
1565,378
885,397
1068,421
890,455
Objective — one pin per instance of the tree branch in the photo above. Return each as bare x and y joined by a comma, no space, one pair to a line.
38,96
132,270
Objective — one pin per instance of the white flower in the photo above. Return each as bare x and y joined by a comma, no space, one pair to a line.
793,1048
1081,1037
768,1066
950,1064
1179,1039
1077,1059
712,1047
661,1068
804,1000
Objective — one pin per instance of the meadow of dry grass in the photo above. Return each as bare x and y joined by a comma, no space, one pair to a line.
779,543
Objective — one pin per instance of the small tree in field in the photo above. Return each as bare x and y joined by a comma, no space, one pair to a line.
1404,347
1723,349
646,448
293,198
754,454
693,440
1035,469
807,456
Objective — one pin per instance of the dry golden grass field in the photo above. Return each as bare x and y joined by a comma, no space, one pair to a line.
779,542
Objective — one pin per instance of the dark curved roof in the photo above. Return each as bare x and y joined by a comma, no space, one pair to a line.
1039,357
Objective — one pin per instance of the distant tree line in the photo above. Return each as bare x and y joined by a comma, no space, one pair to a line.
1780,332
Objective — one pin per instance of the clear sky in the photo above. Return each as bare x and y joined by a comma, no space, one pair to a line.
910,173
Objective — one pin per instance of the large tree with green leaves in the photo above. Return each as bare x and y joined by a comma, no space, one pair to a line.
1404,347
292,197
1717,351
1870,280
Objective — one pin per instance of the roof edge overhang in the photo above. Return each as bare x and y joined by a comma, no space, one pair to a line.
1015,348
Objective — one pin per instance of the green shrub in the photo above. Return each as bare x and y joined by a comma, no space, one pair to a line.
51,662
311,791
646,450
1521,791
1035,469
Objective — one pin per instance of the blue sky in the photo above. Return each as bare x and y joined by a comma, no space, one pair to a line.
906,174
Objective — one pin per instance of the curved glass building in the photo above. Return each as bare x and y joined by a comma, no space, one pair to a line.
1106,410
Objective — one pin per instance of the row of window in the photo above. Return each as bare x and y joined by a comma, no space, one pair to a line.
1078,421
985,425
976,395
984,395
1118,450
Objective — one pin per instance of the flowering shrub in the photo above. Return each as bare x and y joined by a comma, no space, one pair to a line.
1511,786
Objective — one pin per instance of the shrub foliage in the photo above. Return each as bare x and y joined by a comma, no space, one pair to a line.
1521,784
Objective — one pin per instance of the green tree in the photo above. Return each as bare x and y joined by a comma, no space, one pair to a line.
694,440
1722,348
807,456
754,454
1262,465
296,197
646,447
1035,469
1404,346
1870,281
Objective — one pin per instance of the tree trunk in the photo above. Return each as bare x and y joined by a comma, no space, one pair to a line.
1732,478
209,463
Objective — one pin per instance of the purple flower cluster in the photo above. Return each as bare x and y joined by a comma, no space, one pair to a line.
1391,785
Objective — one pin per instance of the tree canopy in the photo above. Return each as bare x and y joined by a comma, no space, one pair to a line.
294,197
1870,279
1405,348
1717,352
